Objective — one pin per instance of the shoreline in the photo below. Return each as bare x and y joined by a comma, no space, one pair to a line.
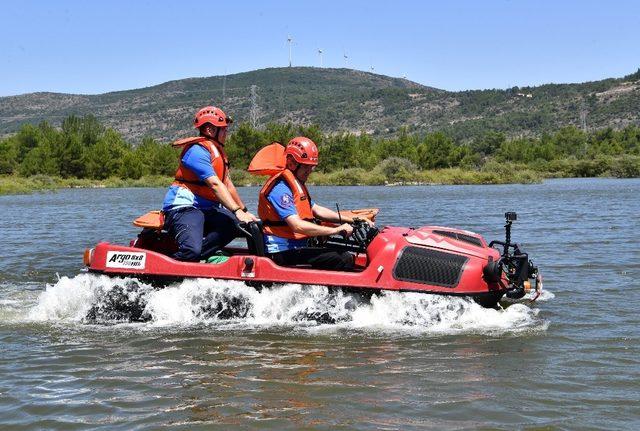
15,185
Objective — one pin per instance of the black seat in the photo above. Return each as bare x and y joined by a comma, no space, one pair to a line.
253,233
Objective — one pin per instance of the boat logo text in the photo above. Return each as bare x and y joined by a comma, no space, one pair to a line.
131,260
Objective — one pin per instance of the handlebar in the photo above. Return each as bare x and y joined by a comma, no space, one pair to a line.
362,235
245,227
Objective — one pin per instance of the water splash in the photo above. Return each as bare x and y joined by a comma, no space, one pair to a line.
100,299
71,299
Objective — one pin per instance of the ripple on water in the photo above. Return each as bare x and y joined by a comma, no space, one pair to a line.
220,354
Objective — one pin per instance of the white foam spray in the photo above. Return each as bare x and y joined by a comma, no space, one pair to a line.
96,299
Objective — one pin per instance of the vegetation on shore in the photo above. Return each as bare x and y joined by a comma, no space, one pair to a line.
340,100
84,153
14,184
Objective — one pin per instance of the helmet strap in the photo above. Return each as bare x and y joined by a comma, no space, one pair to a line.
295,171
217,136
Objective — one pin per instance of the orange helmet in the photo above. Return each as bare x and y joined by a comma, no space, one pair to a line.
211,115
303,150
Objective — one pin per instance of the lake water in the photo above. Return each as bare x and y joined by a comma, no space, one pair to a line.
404,361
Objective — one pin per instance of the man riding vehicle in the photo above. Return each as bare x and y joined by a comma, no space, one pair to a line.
202,206
288,214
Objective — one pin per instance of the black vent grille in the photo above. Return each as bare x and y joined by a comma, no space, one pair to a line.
426,266
460,236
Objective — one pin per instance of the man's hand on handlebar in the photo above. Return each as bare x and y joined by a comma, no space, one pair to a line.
358,220
366,220
246,217
344,229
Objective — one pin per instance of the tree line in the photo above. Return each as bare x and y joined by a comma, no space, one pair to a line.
84,148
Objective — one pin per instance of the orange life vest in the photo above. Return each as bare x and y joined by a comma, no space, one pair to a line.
186,178
272,224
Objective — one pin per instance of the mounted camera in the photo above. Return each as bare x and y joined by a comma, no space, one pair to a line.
513,263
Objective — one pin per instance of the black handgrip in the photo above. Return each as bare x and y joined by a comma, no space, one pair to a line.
245,227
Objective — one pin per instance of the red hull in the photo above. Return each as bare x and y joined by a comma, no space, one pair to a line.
395,260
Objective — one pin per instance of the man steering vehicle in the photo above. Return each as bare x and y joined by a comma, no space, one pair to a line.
288,214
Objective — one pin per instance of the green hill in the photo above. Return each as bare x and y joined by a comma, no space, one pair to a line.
339,100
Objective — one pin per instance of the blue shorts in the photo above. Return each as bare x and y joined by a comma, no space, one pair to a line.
199,233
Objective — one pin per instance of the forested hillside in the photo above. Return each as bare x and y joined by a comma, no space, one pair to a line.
339,100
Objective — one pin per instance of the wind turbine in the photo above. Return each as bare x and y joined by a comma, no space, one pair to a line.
320,54
289,41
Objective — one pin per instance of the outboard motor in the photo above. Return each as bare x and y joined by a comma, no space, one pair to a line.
514,264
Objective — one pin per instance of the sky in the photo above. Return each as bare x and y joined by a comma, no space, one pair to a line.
92,47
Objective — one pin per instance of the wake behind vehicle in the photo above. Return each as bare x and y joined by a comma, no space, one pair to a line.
429,259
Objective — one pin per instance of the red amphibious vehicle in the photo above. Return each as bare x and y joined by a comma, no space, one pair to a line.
430,259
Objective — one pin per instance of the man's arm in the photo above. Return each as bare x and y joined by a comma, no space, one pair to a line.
224,196
299,225
234,193
325,214
199,161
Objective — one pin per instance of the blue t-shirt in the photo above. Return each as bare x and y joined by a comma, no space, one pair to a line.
281,198
198,160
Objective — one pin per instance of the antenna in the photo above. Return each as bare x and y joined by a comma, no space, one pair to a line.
346,57
320,54
289,41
